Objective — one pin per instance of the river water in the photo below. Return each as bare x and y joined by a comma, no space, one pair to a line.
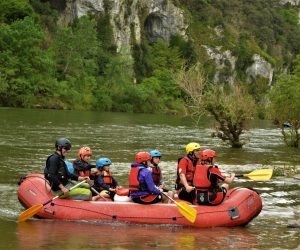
27,138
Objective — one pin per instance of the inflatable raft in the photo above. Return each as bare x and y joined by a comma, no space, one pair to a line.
241,205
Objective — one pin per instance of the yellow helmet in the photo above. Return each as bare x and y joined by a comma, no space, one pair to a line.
191,147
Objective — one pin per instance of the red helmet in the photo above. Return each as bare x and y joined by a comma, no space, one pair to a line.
142,156
83,152
207,153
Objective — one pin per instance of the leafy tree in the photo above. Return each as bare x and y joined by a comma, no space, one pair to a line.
27,70
232,107
12,10
76,49
285,105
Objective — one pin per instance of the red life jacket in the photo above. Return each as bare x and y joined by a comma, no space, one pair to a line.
84,173
107,178
156,175
189,173
201,180
134,184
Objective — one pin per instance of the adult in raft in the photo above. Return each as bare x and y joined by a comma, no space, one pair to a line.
141,186
206,180
57,173
185,172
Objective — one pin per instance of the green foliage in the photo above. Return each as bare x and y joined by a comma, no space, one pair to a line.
12,10
232,108
285,104
47,15
26,70
185,48
76,49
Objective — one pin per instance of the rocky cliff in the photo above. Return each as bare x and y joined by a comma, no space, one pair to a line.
160,19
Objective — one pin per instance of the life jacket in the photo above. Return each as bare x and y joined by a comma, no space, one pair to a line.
156,175
62,173
81,168
189,173
107,178
201,180
134,184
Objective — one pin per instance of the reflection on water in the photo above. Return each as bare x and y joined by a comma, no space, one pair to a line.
27,137
74,235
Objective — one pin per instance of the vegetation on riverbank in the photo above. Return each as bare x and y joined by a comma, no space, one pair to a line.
47,65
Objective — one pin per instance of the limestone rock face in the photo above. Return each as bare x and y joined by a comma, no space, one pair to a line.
260,68
225,64
292,2
157,18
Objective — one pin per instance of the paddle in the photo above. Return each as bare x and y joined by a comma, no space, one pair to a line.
96,192
186,210
258,174
36,208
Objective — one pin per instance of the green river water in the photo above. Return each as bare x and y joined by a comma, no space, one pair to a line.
27,138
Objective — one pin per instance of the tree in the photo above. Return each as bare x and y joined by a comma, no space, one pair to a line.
76,51
285,105
27,70
231,106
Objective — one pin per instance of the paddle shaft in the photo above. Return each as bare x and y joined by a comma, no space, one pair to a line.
52,199
170,198
94,190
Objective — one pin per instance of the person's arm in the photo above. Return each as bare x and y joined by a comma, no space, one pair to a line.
149,182
182,166
188,188
114,182
52,170
218,175
230,179
102,183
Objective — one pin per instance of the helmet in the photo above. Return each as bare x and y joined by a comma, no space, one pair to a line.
101,162
207,153
142,156
191,147
63,143
155,153
82,152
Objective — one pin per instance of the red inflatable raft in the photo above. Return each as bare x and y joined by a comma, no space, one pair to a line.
241,205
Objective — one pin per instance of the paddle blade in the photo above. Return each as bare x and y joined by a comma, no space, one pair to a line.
29,212
260,174
187,211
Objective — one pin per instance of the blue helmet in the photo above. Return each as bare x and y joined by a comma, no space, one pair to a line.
155,153
101,162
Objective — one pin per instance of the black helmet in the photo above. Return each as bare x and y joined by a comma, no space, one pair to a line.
63,143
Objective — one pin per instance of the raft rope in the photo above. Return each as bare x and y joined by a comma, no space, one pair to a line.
174,218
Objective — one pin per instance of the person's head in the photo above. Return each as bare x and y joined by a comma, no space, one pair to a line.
143,158
103,163
193,150
62,146
208,156
155,157
84,154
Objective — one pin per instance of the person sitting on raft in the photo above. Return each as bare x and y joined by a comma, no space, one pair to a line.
104,182
206,180
185,172
157,173
81,166
56,172
142,189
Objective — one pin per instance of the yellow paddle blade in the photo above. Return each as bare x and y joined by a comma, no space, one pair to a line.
187,211
260,174
29,212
